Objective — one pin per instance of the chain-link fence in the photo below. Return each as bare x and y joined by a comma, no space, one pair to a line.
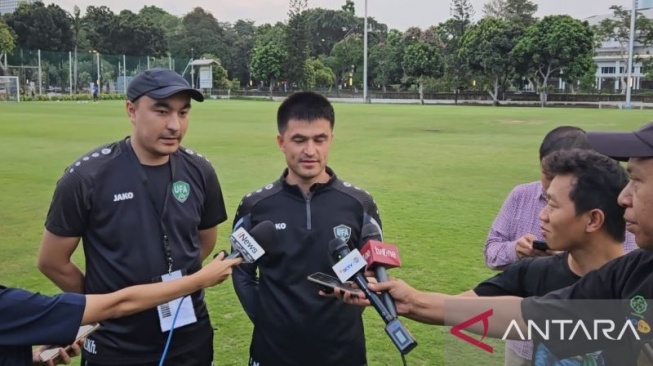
54,73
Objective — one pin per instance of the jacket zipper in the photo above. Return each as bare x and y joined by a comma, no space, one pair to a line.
308,211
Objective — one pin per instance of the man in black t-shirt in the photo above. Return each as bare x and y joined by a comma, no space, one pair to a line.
628,279
146,210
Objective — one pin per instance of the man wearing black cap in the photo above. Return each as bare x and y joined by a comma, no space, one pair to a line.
624,334
146,210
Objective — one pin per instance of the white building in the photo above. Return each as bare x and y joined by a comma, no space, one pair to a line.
612,57
9,6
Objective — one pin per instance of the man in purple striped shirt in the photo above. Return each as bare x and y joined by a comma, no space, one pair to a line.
517,225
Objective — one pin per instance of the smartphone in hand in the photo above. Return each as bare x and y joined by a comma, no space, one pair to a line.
328,283
83,332
540,245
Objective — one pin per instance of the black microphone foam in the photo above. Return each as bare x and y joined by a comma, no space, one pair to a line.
371,232
264,233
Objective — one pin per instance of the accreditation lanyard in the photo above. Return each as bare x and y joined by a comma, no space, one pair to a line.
144,180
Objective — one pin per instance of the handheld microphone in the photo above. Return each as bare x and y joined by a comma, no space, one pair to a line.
380,256
250,246
349,264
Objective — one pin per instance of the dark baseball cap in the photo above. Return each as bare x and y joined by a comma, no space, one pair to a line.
624,145
159,83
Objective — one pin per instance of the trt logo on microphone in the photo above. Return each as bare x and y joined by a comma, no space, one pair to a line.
348,266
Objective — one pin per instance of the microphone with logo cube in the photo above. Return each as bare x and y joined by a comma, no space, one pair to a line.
251,245
349,264
379,257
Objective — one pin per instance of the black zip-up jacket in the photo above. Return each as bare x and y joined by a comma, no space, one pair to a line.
293,324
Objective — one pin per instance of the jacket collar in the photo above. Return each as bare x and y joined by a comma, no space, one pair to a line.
314,188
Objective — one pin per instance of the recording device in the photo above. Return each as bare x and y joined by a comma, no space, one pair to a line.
83,332
380,256
328,283
540,245
250,245
349,264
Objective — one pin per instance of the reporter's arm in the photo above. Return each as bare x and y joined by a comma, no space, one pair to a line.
134,299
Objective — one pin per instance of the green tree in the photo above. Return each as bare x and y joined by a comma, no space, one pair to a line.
486,49
7,42
168,23
617,29
349,7
517,12
346,59
318,75
200,33
268,63
451,32
554,44
422,61
133,35
385,60
99,23
326,27
296,43
47,28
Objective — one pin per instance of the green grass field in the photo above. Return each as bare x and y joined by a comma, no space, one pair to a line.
438,173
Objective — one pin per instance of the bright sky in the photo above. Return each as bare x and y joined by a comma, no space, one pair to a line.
396,14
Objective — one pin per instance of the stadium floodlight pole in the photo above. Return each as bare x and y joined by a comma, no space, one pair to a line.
365,56
631,46
124,74
40,80
98,70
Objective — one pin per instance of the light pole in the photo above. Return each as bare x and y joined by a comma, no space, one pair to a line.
631,46
365,55
97,54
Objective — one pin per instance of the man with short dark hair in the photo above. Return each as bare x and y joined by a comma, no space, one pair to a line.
293,325
628,278
146,210
517,225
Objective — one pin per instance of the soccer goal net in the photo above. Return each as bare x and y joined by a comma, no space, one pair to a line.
9,89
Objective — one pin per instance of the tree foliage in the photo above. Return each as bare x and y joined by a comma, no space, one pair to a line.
555,43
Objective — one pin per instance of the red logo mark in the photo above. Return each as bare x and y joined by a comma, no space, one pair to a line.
456,330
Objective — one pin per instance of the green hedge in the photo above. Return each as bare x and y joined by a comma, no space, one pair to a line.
74,97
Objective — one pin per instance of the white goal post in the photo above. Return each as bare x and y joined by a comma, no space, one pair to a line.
9,89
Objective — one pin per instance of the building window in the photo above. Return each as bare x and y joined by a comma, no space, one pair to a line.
608,70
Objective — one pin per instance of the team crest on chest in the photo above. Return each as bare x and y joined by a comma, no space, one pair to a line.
181,191
343,232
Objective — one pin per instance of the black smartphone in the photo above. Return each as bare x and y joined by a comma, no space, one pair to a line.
328,283
540,245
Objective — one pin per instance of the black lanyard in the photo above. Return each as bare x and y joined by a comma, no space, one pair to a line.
141,172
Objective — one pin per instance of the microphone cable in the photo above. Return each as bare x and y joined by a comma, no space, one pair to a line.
172,328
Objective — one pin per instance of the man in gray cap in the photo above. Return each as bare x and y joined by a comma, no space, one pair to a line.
628,278
146,210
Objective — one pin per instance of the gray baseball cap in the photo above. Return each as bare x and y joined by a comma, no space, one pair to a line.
159,83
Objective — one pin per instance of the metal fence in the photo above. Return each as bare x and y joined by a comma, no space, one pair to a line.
52,73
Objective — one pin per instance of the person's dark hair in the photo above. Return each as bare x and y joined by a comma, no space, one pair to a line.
598,180
304,106
564,138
